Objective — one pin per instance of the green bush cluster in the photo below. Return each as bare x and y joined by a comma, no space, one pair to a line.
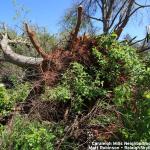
77,86
116,70
5,103
26,135
8,97
117,80
132,95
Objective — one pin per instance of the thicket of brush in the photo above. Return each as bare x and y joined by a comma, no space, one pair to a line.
102,94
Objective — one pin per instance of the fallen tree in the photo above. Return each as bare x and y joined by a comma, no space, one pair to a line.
95,89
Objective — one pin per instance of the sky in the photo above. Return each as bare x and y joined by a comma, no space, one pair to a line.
48,13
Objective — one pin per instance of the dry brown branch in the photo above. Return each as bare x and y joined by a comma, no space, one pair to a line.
69,132
35,43
90,114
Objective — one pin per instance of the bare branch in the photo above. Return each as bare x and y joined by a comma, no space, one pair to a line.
123,23
116,15
94,18
129,41
35,43
110,9
98,3
141,5
113,14
132,43
10,56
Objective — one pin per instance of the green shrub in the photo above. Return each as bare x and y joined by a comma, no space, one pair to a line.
131,93
122,94
117,71
137,122
20,92
26,135
9,97
5,104
60,93
76,86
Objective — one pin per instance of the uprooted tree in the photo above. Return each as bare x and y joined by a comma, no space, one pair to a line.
115,15
49,66
96,85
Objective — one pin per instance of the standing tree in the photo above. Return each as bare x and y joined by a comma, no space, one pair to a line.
112,15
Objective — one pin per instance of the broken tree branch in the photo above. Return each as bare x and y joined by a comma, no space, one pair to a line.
35,43
77,27
74,33
12,57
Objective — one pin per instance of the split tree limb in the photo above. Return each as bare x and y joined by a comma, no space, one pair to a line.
35,43
74,33
76,30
